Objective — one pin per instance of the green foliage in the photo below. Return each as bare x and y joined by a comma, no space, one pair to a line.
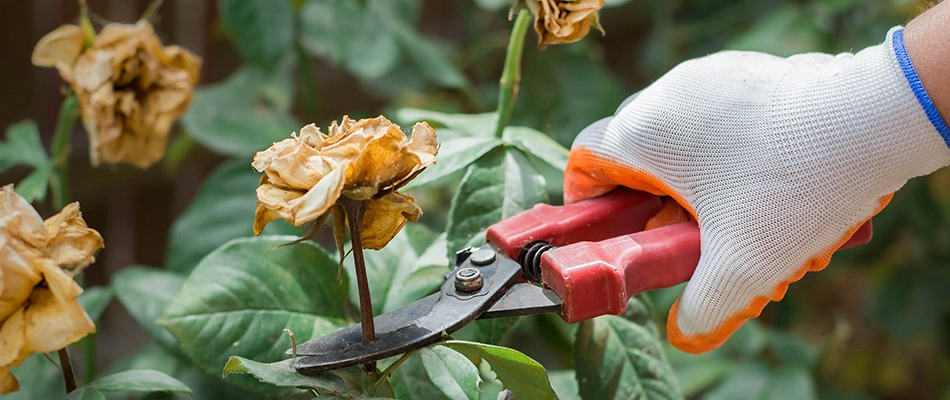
129,381
239,299
23,147
525,377
146,293
262,31
451,372
621,357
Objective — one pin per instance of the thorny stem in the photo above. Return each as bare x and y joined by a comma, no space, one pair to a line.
68,376
511,74
354,218
59,150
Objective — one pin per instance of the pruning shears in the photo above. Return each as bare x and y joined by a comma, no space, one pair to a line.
580,261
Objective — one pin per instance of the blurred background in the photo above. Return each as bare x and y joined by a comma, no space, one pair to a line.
875,324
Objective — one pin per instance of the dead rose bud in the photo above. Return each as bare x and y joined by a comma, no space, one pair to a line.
130,88
564,21
38,259
306,175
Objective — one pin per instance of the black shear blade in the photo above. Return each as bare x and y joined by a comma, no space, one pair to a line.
415,325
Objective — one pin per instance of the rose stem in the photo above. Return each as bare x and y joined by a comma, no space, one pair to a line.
511,74
354,217
59,150
68,376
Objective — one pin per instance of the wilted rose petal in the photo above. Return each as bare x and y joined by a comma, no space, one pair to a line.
131,90
365,160
39,310
563,21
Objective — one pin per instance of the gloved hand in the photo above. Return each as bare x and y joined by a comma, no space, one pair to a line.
779,160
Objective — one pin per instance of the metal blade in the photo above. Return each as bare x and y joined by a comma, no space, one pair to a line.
524,299
412,326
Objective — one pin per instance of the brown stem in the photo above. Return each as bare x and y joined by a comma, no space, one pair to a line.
68,376
354,218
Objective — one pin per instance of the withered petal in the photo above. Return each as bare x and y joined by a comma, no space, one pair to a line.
72,243
59,49
383,218
8,382
12,338
55,318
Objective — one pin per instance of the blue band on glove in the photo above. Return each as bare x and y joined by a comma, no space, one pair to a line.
911,74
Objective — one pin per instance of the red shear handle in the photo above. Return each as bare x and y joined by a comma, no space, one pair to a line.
620,212
596,278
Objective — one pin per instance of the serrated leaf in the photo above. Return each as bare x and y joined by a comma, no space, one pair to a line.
411,382
344,33
33,186
141,380
451,372
282,373
472,125
22,146
244,114
222,210
399,274
498,186
95,300
261,31
146,293
621,357
454,156
241,297
537,144
525,377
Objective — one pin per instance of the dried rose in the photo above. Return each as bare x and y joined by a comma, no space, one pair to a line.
130,88
38,259
563,21
367,160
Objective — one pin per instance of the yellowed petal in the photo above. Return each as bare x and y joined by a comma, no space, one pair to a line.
59,49
8,382
55,319
424,144
385,217
12,338
71,243
181,58
18,219
560,21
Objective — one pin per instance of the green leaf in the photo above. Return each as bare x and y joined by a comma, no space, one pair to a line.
696,372
410,381
240,297
222,210
537,144
94,300
496,187
39,379
141,380
495,5
427,57
282,373
22,146
491,331
454,156
342,32
791,383
451,372
413,265
471,125
244,114
262,31
146,293
33,187
621,357
564,384
748,381
525,377
85,393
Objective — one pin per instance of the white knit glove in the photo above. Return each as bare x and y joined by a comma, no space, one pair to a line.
778,159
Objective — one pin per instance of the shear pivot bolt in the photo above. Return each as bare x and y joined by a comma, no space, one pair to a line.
482,257
468,280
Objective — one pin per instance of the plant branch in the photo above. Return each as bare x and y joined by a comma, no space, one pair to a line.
511,74
354,218
59,150
69,377
88,31
390,369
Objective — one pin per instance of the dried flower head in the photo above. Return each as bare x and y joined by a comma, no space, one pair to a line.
38,259
564,21
365,160
130,88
